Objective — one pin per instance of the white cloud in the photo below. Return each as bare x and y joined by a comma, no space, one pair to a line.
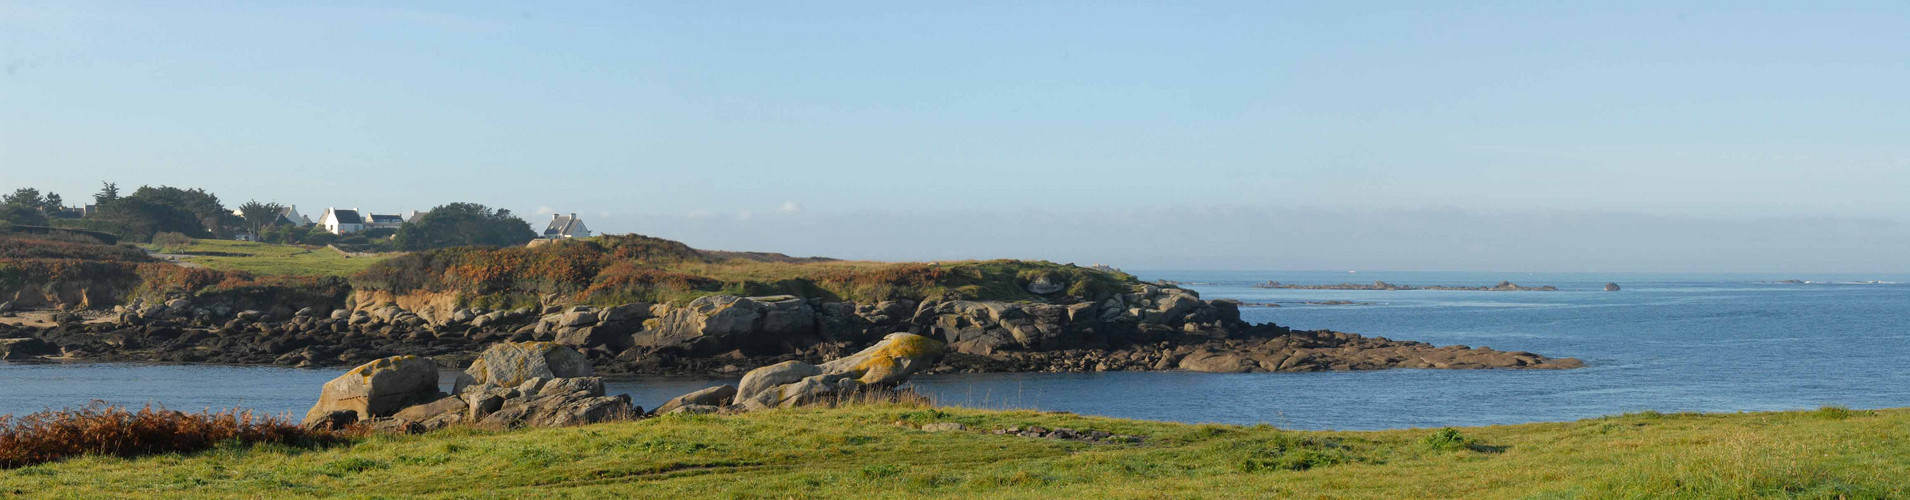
789,207
544,210
744,215
701,213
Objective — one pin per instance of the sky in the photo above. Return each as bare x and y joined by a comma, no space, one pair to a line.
1516,136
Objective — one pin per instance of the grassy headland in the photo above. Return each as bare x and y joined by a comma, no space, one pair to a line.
636,268
858,452
600,270
267,259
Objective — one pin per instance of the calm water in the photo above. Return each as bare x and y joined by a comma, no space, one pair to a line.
1667,343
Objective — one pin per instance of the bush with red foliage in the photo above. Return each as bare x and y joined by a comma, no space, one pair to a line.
101,429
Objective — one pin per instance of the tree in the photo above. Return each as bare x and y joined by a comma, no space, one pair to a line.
209,219
22,215
142,218
31,198
107,193
259,216
459,224
26,206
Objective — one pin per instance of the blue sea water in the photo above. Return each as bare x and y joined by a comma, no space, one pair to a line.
1715,343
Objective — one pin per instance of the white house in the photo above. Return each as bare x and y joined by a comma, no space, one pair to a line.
566,226
287,215
342,221
290,215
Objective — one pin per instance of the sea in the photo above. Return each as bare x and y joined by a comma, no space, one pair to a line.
1664,342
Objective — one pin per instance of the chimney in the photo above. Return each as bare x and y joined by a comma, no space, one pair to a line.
573,216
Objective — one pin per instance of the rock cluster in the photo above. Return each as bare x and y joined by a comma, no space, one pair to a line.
874,371
1503,286
1149,327
1300,351
510,385
881,366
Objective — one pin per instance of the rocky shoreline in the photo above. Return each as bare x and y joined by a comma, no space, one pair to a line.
1149,329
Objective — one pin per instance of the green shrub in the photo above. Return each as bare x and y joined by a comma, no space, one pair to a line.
1286,451
1447,439
1839,413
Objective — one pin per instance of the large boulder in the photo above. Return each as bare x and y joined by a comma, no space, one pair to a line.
378,389
722,323
26,348
714,396
508,364
890,361
439,414
1043,285
765,378
548,409
883,365
1208,360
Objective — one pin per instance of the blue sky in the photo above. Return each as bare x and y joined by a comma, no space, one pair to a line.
762,125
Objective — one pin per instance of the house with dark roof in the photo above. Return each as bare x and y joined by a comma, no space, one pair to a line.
566,226
342,221
377,221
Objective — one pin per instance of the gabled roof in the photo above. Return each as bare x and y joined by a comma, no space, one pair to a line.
561,224
386,219
347,216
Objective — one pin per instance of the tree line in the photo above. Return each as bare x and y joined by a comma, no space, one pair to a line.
195,213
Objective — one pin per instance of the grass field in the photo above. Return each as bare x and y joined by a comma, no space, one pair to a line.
859,453
269,259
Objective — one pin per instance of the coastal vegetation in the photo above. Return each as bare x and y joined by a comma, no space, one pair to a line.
268,259
464,224
102,430
635,268
881,451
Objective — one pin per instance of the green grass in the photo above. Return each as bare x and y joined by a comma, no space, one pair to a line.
268,259
858,453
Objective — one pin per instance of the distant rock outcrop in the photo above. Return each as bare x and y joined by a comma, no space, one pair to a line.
1503,286
1611,287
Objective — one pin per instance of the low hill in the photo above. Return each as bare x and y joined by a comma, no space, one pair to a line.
636,268
878,452
603,270
41,270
